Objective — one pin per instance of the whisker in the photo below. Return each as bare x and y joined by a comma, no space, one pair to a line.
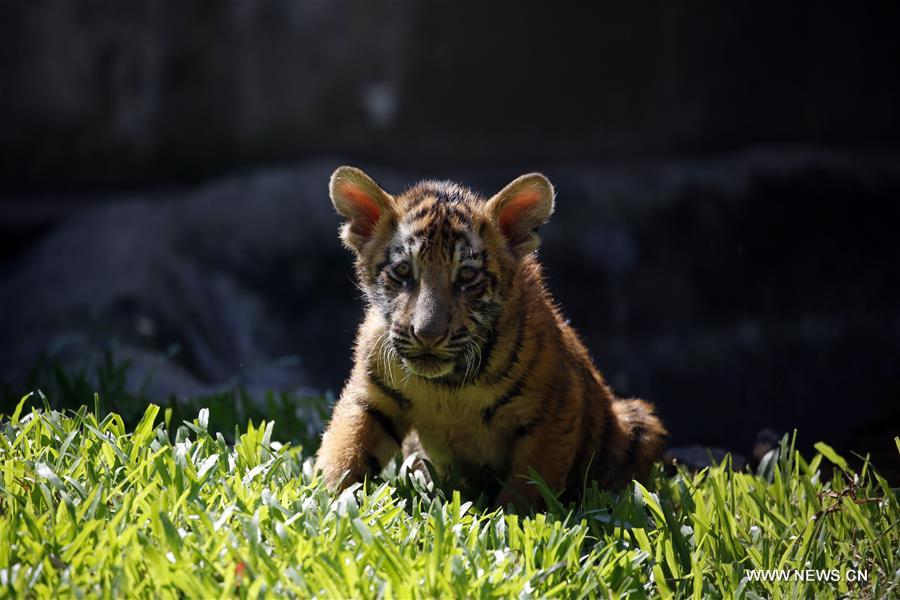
376,347
476,354
405,380
385,353
356,284
388,364
470,361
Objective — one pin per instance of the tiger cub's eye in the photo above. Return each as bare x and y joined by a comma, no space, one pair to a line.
402,270
466,274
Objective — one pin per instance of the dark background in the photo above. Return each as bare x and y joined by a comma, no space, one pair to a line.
728,178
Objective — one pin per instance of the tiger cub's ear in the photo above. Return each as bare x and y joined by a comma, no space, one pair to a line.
364,204
519,209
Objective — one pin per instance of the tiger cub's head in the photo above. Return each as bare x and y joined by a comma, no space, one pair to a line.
438,262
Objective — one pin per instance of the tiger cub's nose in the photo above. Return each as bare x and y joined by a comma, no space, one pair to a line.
430,337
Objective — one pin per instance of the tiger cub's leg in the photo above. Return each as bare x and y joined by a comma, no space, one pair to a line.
359,441
412,444
550,451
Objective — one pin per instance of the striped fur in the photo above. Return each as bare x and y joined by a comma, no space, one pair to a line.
464,351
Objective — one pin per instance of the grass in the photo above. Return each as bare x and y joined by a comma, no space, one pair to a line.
300,415
90,506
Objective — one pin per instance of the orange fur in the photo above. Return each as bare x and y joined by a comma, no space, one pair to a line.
485,372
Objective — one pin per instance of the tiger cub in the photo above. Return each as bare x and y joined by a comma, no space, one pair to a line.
463,346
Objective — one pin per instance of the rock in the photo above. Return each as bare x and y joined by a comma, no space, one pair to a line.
700,457
766,440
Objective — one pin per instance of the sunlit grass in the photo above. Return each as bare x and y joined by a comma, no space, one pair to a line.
89,507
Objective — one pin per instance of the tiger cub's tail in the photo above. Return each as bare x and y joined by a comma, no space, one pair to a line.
643,439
